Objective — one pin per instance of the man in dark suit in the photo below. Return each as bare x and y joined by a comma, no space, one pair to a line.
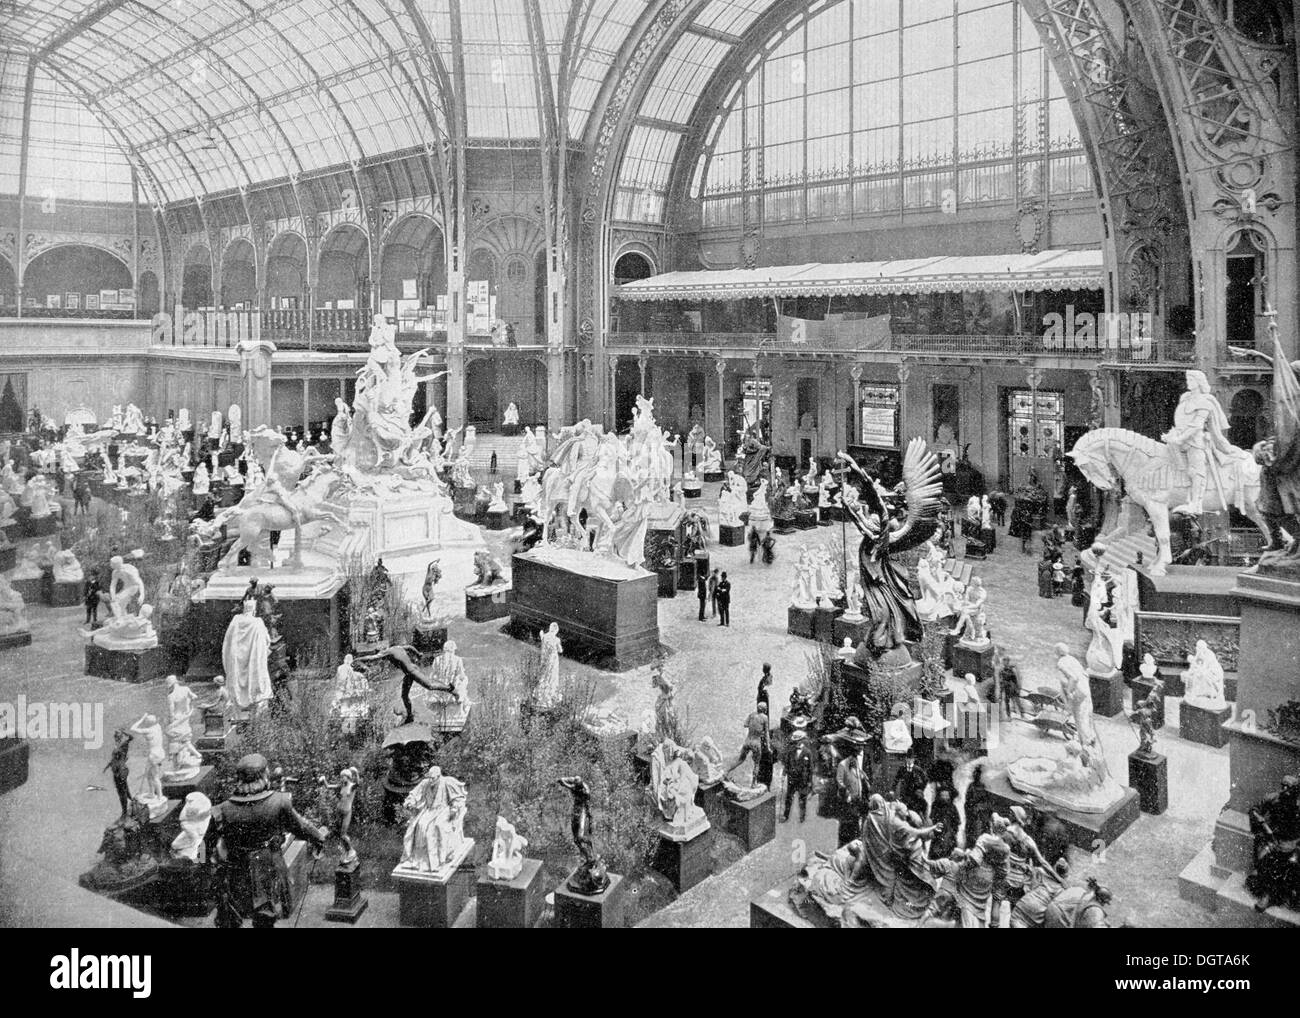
909,785
702,591
724,602
798,774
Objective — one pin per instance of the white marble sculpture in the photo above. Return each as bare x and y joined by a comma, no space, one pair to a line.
896,732
151,796
1106,648
972,606
244,656
1148,668
183,420
710,458
1203,682
66,567
826,584
804,594
507,851
235,418
195,817
351,699
824,497
132,420
929,603
853,609
497,504
511,416
732,501
435,837
547,693
530,449
673,785
1079,779
126,630
13,610
706,761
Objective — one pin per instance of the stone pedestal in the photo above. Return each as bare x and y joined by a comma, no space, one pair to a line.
752,821
8,641
666,581
977,661
349,902
1149,776
685,859
215,746
799,622
731,537
463,502
805,519
1107,693
14,754
605,611
29,588
41,526
855,629
712,798
511,904
204,781
126,665
497,519
63,595
1084,830
824,623
483,604
435,901
691,492
8,557
688,569
1203,725
713,477
603,911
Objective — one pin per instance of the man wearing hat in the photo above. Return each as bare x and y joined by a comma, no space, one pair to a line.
851,779
909,785
798,773
247,837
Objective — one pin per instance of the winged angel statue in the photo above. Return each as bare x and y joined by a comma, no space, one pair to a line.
892,522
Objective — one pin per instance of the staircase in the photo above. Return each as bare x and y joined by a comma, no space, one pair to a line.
507,450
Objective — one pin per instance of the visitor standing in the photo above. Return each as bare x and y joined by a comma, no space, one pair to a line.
724,601
713,593
702,592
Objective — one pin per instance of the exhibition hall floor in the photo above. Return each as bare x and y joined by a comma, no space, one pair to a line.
50,828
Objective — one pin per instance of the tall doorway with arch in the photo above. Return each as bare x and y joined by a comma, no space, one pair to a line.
481,393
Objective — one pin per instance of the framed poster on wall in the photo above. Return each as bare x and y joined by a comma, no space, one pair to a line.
72,301
53,300
92,302
878,416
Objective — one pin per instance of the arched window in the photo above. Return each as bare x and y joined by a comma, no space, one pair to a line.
632,266
879,105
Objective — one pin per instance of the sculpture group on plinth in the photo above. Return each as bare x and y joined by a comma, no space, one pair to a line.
1193,469
507,859
435,839
672,785
130,626
245,657
1203,681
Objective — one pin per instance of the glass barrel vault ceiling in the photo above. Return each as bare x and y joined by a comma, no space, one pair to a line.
210,95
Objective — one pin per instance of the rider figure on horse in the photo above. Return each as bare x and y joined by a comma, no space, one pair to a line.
1198,438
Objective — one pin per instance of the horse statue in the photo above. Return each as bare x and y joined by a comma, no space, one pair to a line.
251,518
1154,480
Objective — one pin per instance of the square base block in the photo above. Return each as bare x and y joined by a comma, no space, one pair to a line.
752,821
63,595
1107,693
42,526
685,862
731,537
713,800
805,519
972,661
14,754
615,620
799,622
603,911
511,904
29,588
498,520
1149,775
20,639
8,555
1085,829
204,781
712,476
485,605
126,665
434,902
824,623
216,745
1197,724
349,902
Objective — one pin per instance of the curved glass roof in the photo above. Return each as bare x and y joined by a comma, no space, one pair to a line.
206,96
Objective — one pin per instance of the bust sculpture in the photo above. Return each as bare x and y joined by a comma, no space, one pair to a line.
1203,680
507,851
1149,669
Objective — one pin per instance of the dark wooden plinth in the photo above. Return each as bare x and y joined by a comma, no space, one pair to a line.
824,623
1149,775
685,863
487,605
126,665
1107,693
799,622
752,821
855,631
349,902
511,904
603,911
434,904
972,661
14,754
731,537
1197,724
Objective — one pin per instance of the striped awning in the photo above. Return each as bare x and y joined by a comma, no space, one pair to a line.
1046,270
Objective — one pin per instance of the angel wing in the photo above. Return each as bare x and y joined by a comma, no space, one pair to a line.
922,488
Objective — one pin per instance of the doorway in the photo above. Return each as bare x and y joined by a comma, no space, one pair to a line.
481,393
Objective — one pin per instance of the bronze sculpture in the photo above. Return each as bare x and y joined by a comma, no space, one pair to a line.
591,876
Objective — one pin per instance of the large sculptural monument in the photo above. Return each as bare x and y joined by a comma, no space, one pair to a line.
599,494
376,495
1264,731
